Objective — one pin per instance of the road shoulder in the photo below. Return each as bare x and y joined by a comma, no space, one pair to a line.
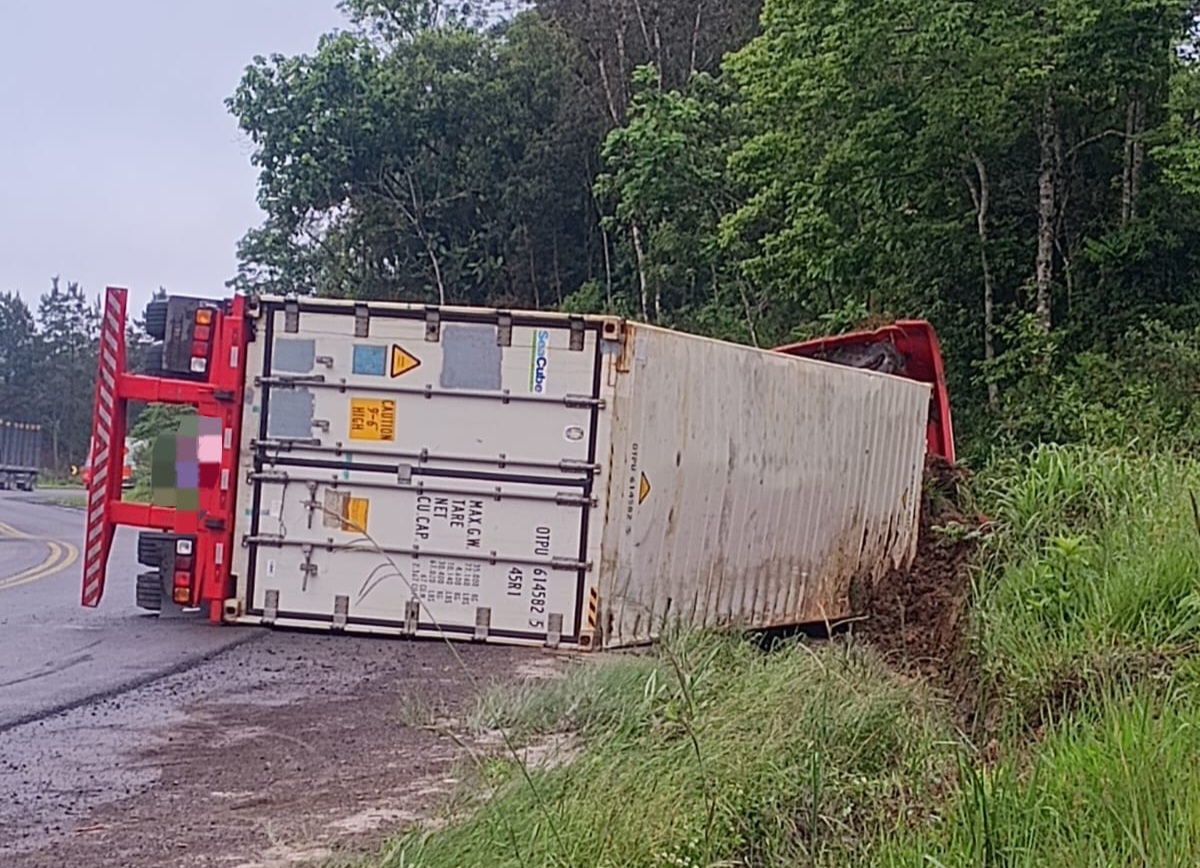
280,752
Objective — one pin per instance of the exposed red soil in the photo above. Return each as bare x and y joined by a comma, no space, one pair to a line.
916,618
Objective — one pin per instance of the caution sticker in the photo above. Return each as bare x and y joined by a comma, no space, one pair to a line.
372,419
403,361
643,490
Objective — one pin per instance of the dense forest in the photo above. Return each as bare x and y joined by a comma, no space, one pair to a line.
1023,174
1026,175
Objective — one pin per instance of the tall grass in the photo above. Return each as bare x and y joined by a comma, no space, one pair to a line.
1095,574
1115,783
712,753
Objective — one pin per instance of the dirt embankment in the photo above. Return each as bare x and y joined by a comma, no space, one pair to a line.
917,618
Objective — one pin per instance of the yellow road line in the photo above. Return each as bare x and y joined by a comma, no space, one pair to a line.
62,555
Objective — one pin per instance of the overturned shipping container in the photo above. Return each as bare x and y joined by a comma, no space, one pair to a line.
548,479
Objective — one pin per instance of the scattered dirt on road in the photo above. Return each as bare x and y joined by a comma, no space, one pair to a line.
315,749
917,616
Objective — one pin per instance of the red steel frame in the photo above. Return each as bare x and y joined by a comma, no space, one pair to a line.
220,397
917,342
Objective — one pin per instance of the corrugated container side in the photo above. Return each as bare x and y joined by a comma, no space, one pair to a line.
750,489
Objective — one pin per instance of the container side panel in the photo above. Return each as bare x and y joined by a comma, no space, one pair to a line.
455,474
752,489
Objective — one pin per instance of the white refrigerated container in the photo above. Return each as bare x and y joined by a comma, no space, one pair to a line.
549,479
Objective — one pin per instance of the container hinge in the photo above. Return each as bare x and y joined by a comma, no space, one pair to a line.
284,444
321,425
362,321
325,361
214,523
570,465
271,607
582,402
576,334
271,540
312,505
223,395
404,474
412,617
483,623
554,631
433,325
341,611
291,314
572,499
504,326
569,564
308,568
289,381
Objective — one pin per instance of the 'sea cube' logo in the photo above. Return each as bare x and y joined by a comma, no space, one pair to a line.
541,360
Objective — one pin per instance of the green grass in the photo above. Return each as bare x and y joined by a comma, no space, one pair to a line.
68,501
59,482
1097,574
711,752
1116,783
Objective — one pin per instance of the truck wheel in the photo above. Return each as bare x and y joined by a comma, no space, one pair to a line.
155,318
149,591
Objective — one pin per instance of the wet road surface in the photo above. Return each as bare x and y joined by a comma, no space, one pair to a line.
129,741
54,653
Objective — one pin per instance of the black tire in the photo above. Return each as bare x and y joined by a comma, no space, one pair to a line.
155,318
149,591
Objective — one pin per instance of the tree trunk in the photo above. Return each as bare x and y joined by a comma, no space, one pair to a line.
1127,167
749,313
558,271
533,284
1046,213
1138,156
643,282
695,39
981,193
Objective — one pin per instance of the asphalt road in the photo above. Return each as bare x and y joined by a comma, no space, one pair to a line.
133,742
56,655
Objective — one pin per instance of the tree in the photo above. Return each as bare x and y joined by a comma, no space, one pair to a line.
18,356
66,370
425,171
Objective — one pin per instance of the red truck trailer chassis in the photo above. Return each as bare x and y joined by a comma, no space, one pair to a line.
906,348
206,345
201,368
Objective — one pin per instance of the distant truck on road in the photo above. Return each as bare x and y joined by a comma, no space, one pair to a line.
518,477
20,455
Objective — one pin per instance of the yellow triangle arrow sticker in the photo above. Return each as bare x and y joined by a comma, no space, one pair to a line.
403,361
643,490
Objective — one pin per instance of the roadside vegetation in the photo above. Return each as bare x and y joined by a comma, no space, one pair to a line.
1023,176
1076,747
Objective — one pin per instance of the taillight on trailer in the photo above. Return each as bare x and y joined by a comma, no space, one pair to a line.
181,583
201,335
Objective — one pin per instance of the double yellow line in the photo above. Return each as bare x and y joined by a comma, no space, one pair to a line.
61,556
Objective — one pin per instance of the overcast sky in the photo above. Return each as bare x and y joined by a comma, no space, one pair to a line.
118,161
